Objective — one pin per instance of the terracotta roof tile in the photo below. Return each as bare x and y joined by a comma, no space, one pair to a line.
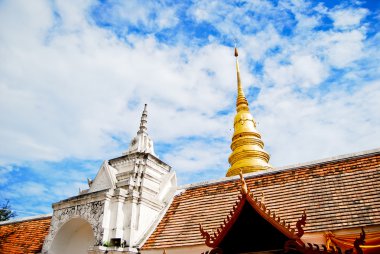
336,194
24,236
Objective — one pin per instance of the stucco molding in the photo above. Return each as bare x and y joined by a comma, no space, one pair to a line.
92,212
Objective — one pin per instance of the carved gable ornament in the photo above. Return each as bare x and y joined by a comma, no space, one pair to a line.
252,227
105,179
248,223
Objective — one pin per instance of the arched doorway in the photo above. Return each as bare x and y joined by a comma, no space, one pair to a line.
74,237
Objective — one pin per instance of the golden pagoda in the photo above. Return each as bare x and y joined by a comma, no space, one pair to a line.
247,154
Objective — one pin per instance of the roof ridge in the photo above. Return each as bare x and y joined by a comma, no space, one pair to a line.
342,157
36,217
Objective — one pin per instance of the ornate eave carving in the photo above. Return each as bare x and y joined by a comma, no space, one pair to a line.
334,246
214,239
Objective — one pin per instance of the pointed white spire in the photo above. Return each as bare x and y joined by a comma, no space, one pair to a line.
143,121
141,143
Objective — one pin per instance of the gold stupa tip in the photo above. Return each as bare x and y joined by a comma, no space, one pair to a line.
248,154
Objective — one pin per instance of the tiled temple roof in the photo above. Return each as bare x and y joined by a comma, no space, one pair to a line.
336,193
25,235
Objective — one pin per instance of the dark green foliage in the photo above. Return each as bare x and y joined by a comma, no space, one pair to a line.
6,212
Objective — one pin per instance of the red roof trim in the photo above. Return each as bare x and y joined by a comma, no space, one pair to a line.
216,238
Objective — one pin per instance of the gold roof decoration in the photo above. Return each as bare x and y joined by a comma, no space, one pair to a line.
248,154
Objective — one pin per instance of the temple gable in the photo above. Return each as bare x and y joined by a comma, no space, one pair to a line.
252,233
250,227
105,179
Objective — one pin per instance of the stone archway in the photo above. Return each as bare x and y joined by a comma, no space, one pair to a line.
75,237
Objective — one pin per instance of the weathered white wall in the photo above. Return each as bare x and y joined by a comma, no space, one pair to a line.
144,187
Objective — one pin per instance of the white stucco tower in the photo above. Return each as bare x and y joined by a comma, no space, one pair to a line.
124,202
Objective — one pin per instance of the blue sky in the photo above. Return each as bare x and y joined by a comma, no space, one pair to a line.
75,75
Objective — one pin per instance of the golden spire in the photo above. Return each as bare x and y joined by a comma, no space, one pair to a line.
247,154
241,101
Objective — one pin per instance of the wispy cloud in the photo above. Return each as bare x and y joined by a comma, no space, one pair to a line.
348,17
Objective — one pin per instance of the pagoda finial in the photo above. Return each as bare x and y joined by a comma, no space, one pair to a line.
241,101
247,154
141,142
143,121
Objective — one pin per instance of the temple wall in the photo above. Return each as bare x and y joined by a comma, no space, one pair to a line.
192,249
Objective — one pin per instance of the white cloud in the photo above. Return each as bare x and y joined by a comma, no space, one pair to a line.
258,45
327,125
26,24
68,86
342,48
344,18
152,15
27,189
305,22
199,160
304,71
66,98
206,10
308,70
5,172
